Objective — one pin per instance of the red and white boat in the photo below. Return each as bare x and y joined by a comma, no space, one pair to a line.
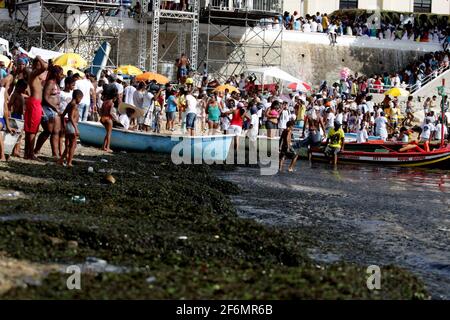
388,153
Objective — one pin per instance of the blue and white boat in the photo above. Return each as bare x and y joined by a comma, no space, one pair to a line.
100,59
183,149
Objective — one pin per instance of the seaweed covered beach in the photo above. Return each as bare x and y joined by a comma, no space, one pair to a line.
159,231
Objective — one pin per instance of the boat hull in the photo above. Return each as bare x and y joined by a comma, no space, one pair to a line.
202,148
438,158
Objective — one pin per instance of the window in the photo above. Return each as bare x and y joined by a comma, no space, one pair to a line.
348,4
422,6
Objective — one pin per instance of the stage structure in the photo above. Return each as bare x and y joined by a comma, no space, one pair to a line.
241,37
79,26
187,20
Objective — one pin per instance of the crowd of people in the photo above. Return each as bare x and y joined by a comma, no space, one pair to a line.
53,102
403,28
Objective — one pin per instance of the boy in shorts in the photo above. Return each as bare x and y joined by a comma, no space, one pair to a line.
71,128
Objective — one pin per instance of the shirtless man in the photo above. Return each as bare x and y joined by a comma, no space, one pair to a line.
314,123
183,67
16,107
22,72
51,119
16,102
33,108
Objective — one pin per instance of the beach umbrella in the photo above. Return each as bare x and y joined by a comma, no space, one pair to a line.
149,76
129,70
66,69
73,60
397,92
5,60
224,87
300,86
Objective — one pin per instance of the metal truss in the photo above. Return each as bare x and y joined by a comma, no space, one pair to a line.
181,17
79,26
142,45
268,49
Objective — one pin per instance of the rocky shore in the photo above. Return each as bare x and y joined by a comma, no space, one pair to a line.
159,232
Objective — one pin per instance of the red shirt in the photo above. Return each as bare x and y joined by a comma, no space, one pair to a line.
237,119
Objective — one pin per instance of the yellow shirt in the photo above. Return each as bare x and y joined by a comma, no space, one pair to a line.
301,112
181,102
335,138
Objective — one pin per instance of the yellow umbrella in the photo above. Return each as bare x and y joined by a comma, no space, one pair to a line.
5,60
397,92
67,69
129,70
73,60
149,76
223,87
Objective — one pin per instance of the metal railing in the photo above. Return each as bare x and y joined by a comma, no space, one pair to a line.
274,6
415,87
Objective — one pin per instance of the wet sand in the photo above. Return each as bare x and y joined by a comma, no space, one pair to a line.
361,214
159,232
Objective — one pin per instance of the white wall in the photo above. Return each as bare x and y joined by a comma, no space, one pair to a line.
369,4
322,6
292,5
328,6
440,6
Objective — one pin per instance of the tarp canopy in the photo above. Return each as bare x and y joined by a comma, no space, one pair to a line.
43,53
274,72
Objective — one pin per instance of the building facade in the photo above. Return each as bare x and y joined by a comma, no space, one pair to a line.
304,7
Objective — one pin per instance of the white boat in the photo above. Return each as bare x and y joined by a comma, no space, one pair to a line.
199,148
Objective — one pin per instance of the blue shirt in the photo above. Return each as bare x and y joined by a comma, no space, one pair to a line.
171,104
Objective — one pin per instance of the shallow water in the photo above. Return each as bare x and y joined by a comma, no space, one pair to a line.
361,214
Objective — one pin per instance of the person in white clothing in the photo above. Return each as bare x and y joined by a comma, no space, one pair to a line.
314,26
284,117
381,124
361,133
128,93
191,112
307,27
148,107
85,86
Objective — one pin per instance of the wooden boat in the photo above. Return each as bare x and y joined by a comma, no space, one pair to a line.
198,148
387,153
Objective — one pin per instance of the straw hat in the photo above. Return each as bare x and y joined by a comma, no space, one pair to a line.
138,112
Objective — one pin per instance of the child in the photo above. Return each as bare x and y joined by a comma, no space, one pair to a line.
157,114
65,98
286,148
71,128
107,114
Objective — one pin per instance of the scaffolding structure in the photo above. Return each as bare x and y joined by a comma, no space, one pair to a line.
239,37
159,16
80,26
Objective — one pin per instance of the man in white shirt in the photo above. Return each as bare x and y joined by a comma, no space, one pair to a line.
191,112
307,27
128,93
314,26
381,124
85,86
427,131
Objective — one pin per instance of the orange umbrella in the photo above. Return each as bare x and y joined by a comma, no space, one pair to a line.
224,87
149,76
